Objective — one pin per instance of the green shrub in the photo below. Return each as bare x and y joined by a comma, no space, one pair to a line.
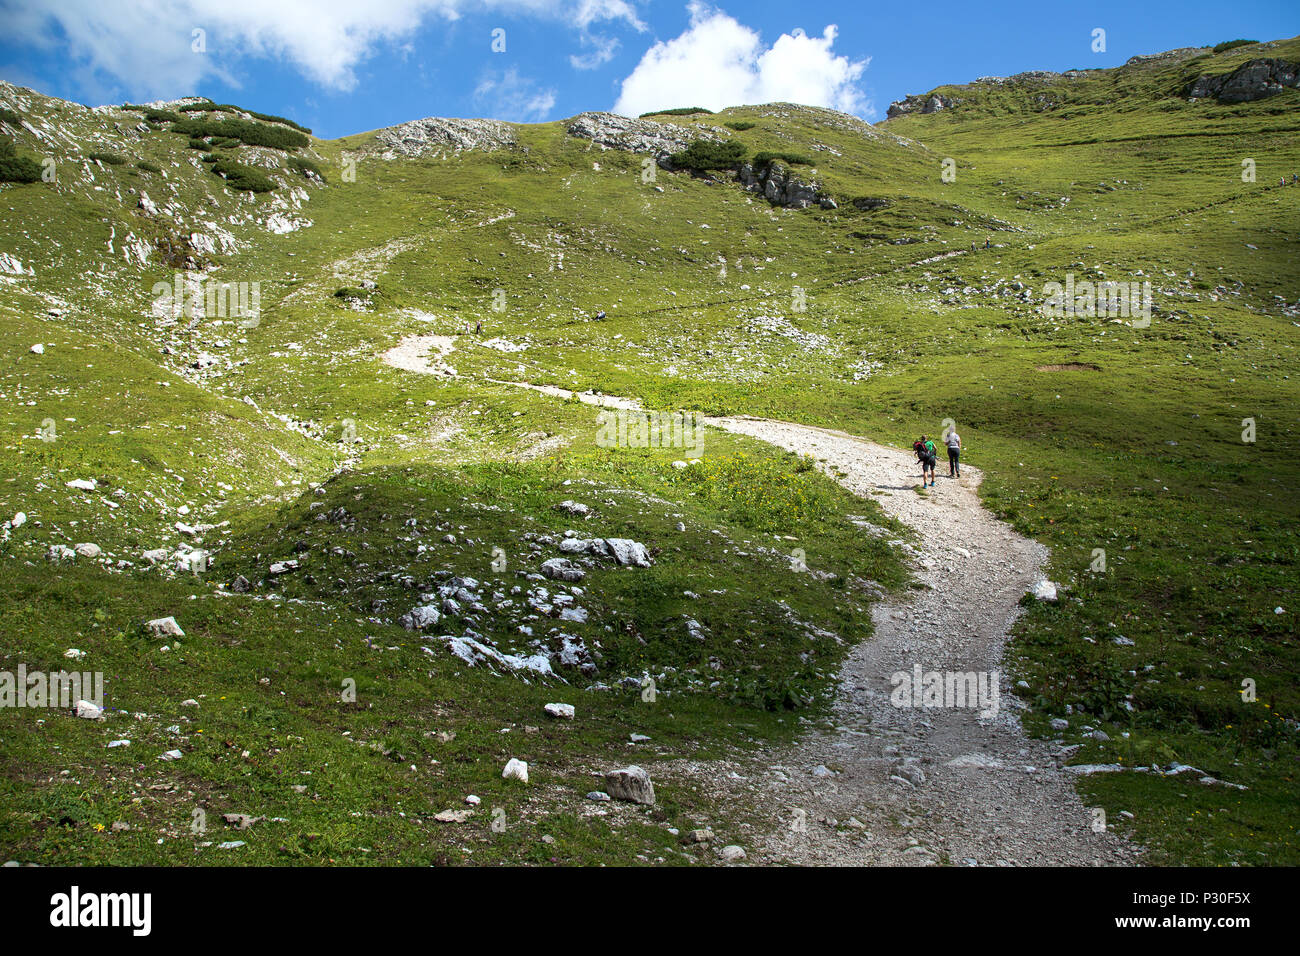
704,155
267,117
244,131
210,158
1232,45
109,159
161,116
10,117
148,167
348,292
305,166
790,159
197,143
740,125
15,168
239,176
678,111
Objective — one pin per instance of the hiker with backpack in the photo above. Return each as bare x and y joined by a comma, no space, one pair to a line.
926,454
953,441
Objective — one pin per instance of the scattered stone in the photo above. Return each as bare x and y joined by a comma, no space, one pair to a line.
698,836
598,796
453,816
732,854
1045,590
240,821
164,627
419,618
515,770
632,784
562,569
88,710
560,711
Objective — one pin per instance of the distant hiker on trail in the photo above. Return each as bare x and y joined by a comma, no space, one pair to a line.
926,454
953,441
478,329
600,316
986,243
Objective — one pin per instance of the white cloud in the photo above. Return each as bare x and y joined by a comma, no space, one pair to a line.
144,47
720,62
510,96
603,51
602,47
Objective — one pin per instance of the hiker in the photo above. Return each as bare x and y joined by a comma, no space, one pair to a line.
600,316
953,441
478,329
926,454
986,243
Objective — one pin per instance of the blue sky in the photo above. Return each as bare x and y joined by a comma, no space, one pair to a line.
344,66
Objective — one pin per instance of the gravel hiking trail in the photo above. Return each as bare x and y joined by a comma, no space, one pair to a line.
912,786
921,786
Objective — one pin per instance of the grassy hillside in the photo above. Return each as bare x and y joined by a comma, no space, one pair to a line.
883,316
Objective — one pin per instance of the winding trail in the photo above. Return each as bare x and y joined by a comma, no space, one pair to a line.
910,785
923,785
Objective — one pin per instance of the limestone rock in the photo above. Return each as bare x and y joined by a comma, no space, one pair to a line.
632,784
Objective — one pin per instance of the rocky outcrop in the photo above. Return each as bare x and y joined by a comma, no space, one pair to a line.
611,131
776,184
1253,80
435,134
1182,53
921,103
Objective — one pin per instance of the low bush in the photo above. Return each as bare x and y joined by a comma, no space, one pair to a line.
305,166
704,155
245,131
239,176
15,168
678,111
790,159
1232,45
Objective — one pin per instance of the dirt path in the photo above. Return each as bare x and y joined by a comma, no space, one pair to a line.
909,785
917,786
